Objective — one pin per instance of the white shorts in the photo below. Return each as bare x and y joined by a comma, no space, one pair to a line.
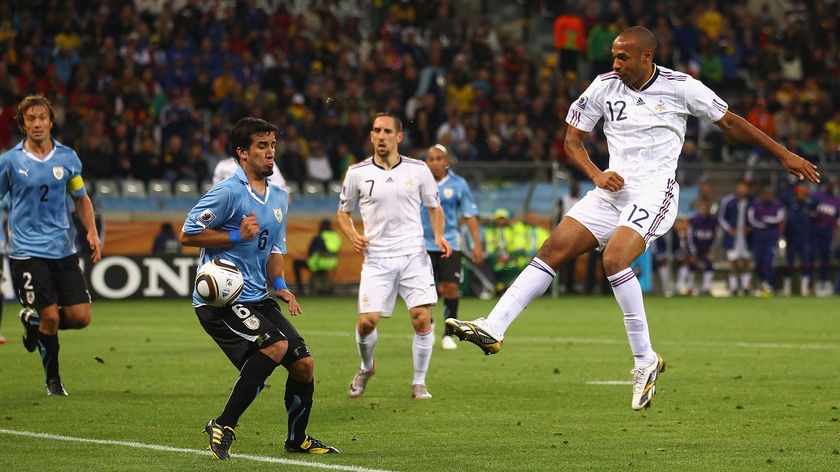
384,277
651,211
739,250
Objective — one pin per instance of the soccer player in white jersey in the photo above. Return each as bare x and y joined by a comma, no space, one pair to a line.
389,189
243,219
39,174
644,107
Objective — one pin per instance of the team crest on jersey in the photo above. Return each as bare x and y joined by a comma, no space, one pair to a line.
448,193
58,172
278,213
659,107
206,217
581,103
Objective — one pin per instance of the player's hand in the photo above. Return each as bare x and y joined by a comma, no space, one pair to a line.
444,246
609,180
477,255
249,227
95,247
801,168
360,243
289,298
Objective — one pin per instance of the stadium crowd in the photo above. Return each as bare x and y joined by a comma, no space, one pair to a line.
146,88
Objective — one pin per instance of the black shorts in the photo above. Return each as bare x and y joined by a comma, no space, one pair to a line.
244,328
447,269
40,282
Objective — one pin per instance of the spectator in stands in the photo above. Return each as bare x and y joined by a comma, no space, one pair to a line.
293,151
318,167
184,47
452,132
569,38
765,216
598,45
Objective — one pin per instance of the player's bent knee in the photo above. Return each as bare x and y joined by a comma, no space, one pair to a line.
367,323
276,351
303,370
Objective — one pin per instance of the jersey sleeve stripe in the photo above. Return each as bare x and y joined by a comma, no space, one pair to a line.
575,118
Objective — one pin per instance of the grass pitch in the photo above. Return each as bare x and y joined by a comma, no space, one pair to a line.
751,385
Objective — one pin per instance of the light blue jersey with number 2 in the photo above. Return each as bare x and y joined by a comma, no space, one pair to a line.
39,219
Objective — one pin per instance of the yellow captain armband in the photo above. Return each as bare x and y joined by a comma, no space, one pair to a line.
75,183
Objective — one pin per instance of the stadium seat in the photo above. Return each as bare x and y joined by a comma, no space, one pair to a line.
186,188
106,188
205,186
294,188
335,187
313,188
160,188
133,188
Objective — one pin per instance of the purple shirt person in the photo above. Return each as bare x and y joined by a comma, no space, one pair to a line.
765,217
824,219
700,236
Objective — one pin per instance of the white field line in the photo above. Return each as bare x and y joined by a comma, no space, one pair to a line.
558,340
156,447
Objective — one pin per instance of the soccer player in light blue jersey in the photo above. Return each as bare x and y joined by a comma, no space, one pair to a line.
4,242
457,202
38,174
644,108
243,219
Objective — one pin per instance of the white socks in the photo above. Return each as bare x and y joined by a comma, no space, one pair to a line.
421,353
531,283
628,294
366,346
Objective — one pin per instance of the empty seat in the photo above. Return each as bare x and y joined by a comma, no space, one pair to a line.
106,188
313,187
186,188
133,188
292,187
160,188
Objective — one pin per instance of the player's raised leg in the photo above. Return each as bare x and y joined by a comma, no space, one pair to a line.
568,240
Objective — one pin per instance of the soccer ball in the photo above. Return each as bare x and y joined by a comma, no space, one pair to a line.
218,282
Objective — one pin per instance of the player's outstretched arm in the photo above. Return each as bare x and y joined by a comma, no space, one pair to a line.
736,127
